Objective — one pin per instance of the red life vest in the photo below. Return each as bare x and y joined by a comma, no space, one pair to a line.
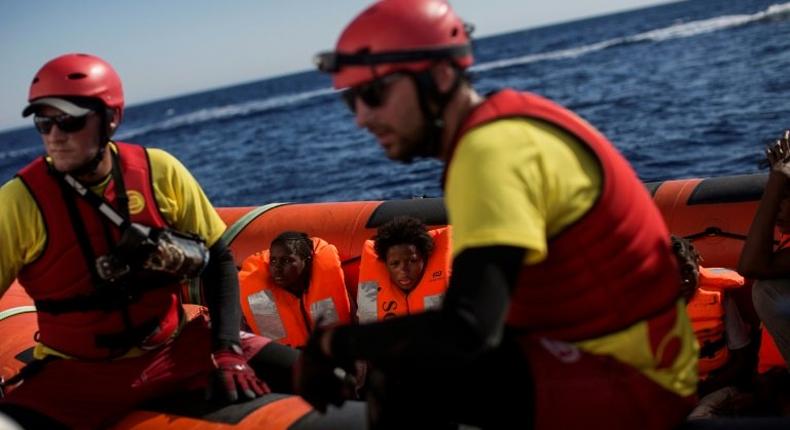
706,311
273,312
61,273
378,298
588,286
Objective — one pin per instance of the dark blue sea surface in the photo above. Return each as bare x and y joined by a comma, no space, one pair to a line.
688,89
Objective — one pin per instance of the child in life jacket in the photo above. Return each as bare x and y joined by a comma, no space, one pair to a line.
405,269
727,356
290,287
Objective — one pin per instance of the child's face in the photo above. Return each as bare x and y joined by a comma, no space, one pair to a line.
405,265
286,267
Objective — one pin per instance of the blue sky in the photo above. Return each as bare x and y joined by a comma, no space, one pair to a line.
171,47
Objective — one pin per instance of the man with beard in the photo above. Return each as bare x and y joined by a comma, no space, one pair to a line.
564,289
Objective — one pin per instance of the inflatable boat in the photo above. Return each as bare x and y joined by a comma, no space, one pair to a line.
714,213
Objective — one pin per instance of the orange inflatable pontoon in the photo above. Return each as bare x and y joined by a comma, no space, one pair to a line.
714,213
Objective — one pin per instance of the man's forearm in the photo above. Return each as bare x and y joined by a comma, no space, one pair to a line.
221,287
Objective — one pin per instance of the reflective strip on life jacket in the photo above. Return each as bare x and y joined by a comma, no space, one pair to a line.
325,309
378,298
264,313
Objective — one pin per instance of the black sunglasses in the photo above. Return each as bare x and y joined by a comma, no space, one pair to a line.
372,93
66,123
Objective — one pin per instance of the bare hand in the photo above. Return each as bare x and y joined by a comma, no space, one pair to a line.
778,155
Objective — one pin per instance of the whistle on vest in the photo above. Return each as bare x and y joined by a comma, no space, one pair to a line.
158,250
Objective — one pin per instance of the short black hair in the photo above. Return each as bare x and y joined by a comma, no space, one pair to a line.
403,230
684,250
298,242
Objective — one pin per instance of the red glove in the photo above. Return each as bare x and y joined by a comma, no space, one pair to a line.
233,375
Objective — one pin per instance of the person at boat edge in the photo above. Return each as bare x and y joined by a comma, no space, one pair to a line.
760,259
100,234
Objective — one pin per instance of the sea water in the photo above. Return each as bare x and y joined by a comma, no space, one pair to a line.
688,89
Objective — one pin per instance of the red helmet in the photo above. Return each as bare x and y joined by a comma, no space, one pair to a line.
77,75
397,35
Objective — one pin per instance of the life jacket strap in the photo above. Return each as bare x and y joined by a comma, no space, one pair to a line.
110,297
708,349
29,370
128,338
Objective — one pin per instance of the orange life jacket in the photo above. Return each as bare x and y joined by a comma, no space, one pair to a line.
706,311
378,298
278,314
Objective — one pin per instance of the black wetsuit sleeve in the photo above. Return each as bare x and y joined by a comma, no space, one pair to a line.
221,289
471,320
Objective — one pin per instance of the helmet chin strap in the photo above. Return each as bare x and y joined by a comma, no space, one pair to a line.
428,92
90,167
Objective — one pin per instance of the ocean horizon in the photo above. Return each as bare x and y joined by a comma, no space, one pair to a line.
688,89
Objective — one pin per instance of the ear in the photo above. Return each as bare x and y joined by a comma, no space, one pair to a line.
444,75
115,119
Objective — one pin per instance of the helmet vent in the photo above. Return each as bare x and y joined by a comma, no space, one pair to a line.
76,76
35,80
454,32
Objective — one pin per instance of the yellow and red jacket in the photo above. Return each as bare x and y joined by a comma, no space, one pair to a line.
378,298
60,278
280,315
560,297
706,311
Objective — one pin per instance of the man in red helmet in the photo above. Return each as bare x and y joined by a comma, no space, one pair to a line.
564,308
100,234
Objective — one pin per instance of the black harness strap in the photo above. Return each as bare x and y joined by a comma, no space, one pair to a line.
112,298
79,229
107,299
120,186
708,349
131,336
29,370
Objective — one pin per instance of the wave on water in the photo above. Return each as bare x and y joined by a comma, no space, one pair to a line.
224,112
21,153
681,30
676,31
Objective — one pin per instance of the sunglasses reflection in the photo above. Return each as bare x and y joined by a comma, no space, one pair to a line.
66,123
372,94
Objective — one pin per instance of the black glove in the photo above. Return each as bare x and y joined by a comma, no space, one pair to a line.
320,379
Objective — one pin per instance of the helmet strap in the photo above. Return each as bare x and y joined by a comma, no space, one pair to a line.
428,94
